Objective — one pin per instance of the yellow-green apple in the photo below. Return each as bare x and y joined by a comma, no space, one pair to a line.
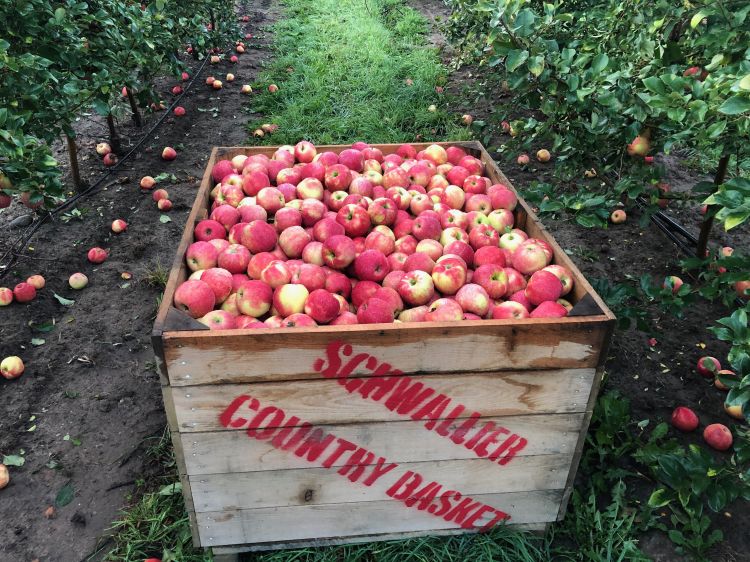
219,320
381,242
312,276
6,296
543,286
529,258
734,410
438,181
430,247
195,297
196,274
543,155
436,154
78,281
742,288
339,251
339,284
516,281
618,216
147,182
510,241
164,205
97,255
310,188
718,436
238,162
509,310
453,234
708,366
259,236
371,265
448,277
639,147
103,148
375,311
523,160
217,84
354,219
11,367
549,309
564,275
322,306
210,229
254,298
220,281
372,165
168,153
201,255
416,314
293,240
444,310
673,283
501,220
474,299
36,281
235,258
375,178
289,299
385,230
492,278
338,177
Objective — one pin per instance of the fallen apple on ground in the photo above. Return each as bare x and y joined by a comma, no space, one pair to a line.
12,367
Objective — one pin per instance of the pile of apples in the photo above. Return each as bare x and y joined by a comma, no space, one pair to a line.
306,238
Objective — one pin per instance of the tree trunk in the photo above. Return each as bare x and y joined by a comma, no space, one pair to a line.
114,138
708,221
134,108
73,156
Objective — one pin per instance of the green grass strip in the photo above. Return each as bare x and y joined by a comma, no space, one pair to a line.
342,70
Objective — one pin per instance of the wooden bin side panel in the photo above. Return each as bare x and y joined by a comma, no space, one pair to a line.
222,452
195,358
269,525
324,402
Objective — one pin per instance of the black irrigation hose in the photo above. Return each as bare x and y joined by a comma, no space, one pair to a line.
15,248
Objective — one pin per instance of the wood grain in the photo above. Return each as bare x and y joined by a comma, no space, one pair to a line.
267,525
221,452
325,402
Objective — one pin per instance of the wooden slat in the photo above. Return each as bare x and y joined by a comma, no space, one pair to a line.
321,486
268,355
367,518
540,528
403,441
325,402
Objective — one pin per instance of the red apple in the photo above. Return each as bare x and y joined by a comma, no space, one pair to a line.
290,299
493,279
718,436
209,229
168,153
474,299
684,419
254,298
201,255
375,311
564,275
24,292
444,310
97,255
371,265
339,251
234,258
708,367
448,277
293,240
11,368
258,236
509,310
549,309
220,280
195,297
352,159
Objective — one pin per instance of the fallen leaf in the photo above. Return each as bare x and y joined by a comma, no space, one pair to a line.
63,301
13,460
65,495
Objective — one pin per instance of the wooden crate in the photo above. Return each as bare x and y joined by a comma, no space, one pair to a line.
340,434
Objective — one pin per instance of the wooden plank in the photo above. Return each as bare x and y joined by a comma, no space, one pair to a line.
540,528
338,520
274,355
321,486
402,441
325,402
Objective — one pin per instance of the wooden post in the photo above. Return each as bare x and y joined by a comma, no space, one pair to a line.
134,108
73,156
708,221
114,138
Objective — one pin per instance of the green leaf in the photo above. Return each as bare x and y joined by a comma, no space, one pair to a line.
59,14
659,498
171,489
697,18
744,84
515,59
735,105
44,327
600,62
37,341
164,219
62,300
13,460
735,219
65,495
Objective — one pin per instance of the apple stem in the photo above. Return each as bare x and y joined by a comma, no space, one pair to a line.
708,220
134,108
73,156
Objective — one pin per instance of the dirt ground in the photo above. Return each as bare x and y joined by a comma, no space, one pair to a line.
85,409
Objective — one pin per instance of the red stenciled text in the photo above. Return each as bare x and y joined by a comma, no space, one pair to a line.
405,396
285,432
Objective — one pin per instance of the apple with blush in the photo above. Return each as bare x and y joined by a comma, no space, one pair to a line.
194,297
444,310
235,258
501,220
549,309
509,310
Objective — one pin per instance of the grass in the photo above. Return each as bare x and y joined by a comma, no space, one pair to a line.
342,68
